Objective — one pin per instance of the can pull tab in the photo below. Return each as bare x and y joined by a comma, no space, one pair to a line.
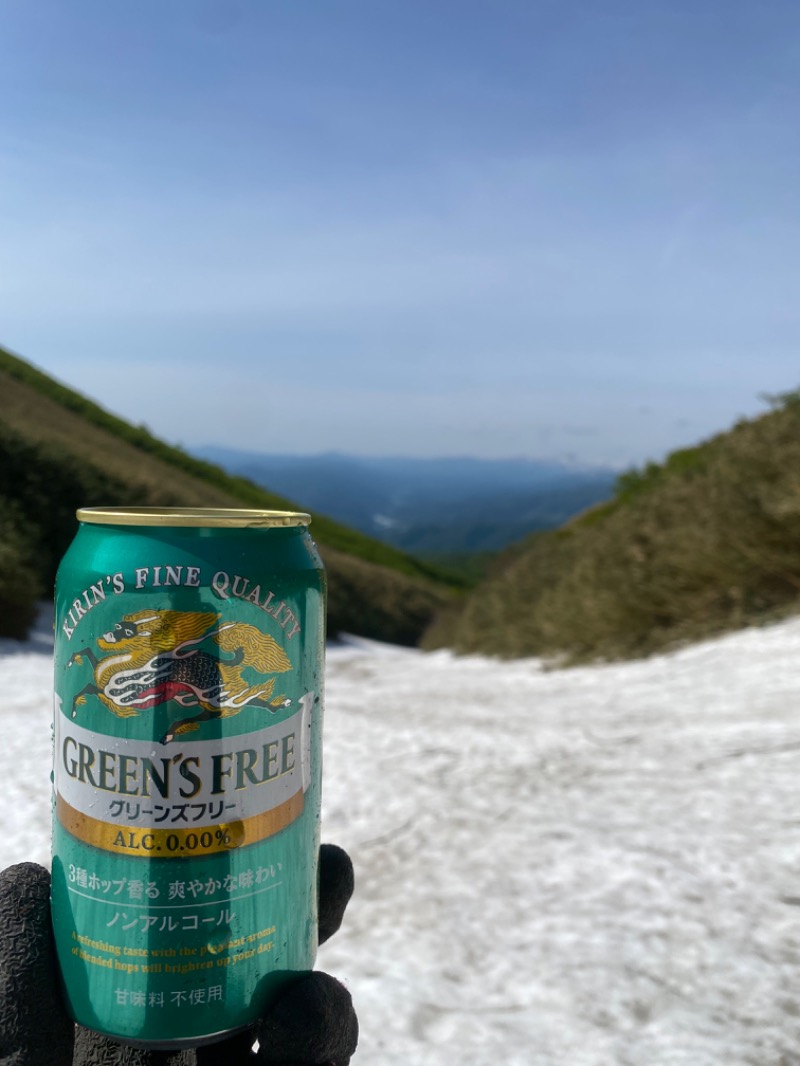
306,723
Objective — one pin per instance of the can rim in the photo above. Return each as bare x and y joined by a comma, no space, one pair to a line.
240,517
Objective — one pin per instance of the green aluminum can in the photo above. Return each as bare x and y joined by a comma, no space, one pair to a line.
187,762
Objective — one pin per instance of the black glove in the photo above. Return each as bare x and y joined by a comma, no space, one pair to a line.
312,1023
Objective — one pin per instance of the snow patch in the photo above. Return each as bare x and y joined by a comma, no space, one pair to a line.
581,867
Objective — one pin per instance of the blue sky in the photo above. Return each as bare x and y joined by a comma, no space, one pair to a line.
428,227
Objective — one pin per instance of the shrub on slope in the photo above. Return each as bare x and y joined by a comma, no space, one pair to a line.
20,584
47,485
707,541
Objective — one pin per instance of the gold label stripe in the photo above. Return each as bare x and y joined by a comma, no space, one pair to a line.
178,843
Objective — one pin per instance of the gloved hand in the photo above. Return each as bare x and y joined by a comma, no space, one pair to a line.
312,1023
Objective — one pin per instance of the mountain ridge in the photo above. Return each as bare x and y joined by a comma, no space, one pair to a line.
704,542
430,506
59,450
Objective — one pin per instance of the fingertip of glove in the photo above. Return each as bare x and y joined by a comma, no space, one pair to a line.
336,886
25,886
312,1022
34,1027
25,871
24,909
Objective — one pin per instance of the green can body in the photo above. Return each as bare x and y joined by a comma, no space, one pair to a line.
186,774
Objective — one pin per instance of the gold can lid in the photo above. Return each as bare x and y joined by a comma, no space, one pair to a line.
202,517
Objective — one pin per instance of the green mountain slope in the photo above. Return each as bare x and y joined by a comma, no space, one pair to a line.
705,542
59,451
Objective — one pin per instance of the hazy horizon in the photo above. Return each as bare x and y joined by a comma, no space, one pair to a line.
336,453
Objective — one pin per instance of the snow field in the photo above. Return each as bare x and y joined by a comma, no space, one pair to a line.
582,867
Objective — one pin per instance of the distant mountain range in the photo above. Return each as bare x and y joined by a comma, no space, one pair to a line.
428,506
60,451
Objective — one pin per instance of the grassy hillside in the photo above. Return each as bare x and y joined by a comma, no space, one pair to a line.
709,540
58,451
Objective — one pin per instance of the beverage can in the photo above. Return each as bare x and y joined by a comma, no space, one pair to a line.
189,652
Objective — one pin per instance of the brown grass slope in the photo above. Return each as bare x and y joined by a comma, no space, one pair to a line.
706,542
58,451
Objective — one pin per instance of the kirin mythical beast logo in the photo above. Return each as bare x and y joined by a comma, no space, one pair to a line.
190,658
